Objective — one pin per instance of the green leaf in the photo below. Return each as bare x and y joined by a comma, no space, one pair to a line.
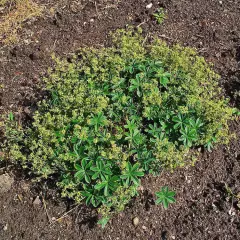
165,197
83,170
98,121
103,221
109,183
236,112
164,81
100,185
11,116
131,174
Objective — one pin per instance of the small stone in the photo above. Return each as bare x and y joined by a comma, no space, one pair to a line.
5,227
173,237
230,211
27,41
91,20
37,201
144,227
149,6
221,2
135,221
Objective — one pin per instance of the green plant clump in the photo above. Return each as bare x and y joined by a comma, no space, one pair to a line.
115,114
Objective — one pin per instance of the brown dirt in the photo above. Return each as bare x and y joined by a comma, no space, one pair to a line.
203,209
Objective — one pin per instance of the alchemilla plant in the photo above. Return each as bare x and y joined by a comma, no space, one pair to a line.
115,114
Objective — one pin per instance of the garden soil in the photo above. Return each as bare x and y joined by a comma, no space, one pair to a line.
204,209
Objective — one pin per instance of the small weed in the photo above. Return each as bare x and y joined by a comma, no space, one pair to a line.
103,221
160,15
165,197
231,194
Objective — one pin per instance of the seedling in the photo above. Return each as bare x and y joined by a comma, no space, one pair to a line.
165,197
160,15
103,221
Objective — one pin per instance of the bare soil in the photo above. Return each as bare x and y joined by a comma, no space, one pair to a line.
204,209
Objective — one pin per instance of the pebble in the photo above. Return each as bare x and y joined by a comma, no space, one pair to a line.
232,212
27,41
149,6
37,201
144,227
135,221
5,227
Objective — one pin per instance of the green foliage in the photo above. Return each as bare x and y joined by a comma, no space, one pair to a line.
103,221
160,15
117,113
236,112
232,196
132,174
11,116
165,197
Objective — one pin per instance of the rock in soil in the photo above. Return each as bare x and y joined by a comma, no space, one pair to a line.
37,201
135,221
5,182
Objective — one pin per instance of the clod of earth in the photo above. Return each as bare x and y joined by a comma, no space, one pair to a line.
6,182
